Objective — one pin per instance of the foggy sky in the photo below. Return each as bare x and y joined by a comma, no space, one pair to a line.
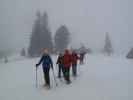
87,20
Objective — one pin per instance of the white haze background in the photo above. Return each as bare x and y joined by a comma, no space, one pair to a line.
87,20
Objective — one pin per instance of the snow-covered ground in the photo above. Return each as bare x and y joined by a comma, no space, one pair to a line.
100,78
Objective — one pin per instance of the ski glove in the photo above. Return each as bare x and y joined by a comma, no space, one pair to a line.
37,65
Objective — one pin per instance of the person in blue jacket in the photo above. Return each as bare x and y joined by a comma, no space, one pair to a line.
47,63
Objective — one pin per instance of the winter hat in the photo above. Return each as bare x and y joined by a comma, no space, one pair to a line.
66,51
45,51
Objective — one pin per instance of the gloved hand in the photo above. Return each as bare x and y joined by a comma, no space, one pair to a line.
56,62
37,65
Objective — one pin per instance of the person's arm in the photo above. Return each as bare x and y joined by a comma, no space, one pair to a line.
40,61
77,57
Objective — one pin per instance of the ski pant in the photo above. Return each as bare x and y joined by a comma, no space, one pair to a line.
81,60
60,70
74,69
67,74
46,75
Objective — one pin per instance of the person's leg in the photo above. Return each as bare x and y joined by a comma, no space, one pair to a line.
68,75
63,71
74,69
82,61
59,72
47,77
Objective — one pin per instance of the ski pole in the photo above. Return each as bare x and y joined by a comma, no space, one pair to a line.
36,79
54,78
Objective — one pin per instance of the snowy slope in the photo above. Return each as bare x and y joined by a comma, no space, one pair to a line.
100,78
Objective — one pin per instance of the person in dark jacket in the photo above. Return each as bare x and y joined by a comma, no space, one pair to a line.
46,62
74,63
67,65
60,65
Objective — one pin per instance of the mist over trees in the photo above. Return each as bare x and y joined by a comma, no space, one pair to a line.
41,36
1,54
130,54
62,38
23,52
108,49
4,53
46,38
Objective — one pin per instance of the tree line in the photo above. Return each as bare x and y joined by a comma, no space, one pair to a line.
41,36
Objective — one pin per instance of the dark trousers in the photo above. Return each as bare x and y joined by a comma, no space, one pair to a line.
74,69
60,70
67,74
46,76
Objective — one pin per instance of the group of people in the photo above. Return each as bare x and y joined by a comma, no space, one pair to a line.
65,61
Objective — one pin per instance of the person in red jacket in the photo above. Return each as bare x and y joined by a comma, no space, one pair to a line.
67,65
74,59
